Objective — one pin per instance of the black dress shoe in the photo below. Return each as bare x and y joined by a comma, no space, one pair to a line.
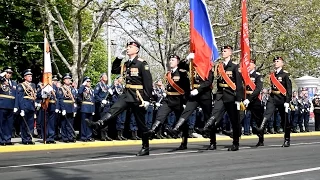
25,143
233,148
182,147
66,141
73,140
212,147
9,143
259,144
2,144
51,142
286,144
31,143
84,140
143,152
90,139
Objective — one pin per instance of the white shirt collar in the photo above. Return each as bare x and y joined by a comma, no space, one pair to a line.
174,69
278,70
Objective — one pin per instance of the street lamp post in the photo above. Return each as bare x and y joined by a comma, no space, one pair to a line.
109,53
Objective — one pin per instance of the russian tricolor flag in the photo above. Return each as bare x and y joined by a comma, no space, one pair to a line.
203,42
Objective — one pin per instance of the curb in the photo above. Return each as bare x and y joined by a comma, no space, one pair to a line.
44,147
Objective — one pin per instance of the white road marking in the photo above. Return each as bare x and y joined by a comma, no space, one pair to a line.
132,156
296,144
282,174
93,159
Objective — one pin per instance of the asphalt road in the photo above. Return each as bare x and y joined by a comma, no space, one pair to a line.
165,164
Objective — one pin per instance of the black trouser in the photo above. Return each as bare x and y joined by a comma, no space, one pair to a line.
218,111
165,110
285,121
192,104
256,117
138,112
317,121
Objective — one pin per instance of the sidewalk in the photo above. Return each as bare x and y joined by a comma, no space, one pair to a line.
39,146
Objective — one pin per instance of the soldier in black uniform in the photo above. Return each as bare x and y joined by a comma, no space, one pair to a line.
137,94
253,100
177,89
316,110
280,97
228,97
200,95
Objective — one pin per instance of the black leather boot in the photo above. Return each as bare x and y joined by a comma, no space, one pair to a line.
263,123
153,128
99,123
209,123
234,147
145,151
286,143
261,140
134,135
183,144
178,125
104,134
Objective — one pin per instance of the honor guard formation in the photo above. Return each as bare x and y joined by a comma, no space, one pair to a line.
180,105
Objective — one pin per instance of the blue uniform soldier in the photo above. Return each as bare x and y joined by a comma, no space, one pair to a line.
25,102
102,94
66,96
7,99
51,112
87,108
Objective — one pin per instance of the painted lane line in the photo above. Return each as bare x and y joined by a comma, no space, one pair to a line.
281,174
296,144
96,159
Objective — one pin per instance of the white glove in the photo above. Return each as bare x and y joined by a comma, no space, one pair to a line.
3,74
164,94
64,113
123,54
22,113
75,105
238,105
194,92
158,104
246,102
200,109
74,114
286,107
104,101
190,56
15,110
110,91
146,104
93,114
184,106
84,83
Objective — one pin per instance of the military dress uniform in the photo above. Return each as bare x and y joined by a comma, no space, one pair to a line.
316,111
137,93
295,108
67,96
25,102
103,98
203,99
281,92
118,91
306,105
253,95
177,92
7,101
87,110
229,91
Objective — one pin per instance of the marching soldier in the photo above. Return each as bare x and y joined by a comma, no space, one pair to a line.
25,102
280,97
253,100
138,92
177,89
67,96
316,110
87,108
200,95
118,90
7,100
102,95
228,97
